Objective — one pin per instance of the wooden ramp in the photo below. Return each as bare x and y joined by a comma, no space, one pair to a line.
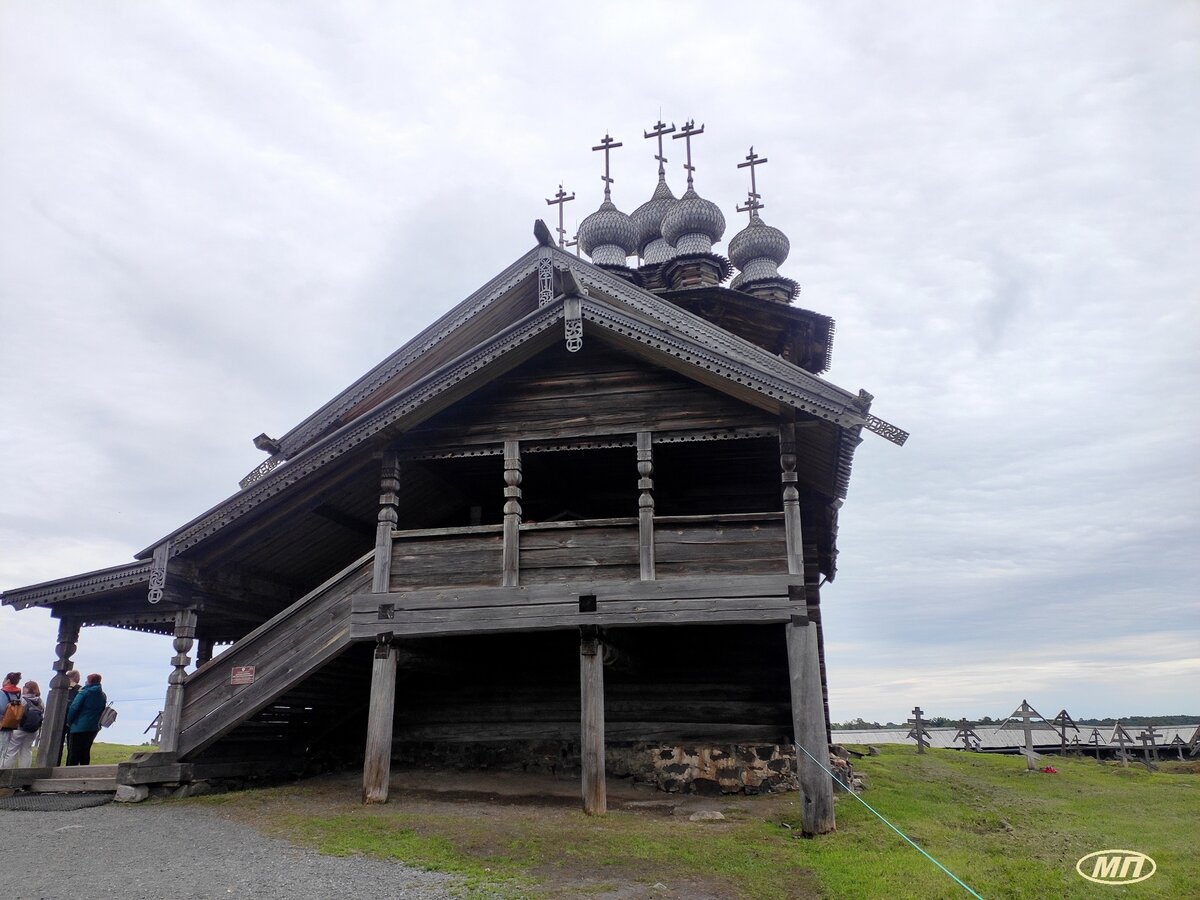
283,651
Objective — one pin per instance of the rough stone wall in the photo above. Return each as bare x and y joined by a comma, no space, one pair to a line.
707,769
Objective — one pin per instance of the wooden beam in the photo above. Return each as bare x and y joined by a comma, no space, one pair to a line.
791,498
512,513
591,725
377,765
808,723
50,743
185,632
645,466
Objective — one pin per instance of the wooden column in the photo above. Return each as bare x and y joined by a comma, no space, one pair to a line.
185,632
377,766
645,465
808,721
55,717
389,499
804,662
204,651
591,743
512,513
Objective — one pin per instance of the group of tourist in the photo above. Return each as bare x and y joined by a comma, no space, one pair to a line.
22,711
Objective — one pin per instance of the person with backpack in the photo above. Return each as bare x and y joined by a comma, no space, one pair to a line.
83,721
10,709
19,752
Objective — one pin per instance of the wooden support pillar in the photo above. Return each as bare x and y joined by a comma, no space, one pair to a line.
791,499
55,717
808,721
377,766
204,651
591,743
645,465
512,513
389,500
185,633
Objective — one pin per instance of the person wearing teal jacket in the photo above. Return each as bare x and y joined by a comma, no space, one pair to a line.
83,722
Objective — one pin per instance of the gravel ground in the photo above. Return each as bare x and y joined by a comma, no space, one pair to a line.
154,851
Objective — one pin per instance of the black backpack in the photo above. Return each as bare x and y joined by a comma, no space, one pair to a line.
31,718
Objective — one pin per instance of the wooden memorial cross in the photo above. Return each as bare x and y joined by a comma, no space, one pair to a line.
1149,739
918,732
753,198
1121,737
1062,722
1096,741
561,199
1194,742
966,734
1178,743
688,132
1027,714
607,144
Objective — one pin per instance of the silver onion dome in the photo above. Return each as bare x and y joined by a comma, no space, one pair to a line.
758,250
608,236
648,219
693,224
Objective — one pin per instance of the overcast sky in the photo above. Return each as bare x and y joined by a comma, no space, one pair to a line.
214,217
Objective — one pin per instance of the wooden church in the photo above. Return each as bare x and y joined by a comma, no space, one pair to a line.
584,515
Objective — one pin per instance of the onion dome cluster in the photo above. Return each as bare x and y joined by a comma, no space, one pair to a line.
608,235
693,224
758,250
648,219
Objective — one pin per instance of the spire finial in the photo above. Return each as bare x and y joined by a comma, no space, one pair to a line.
561,199
606,144
689,131
753,197
660,128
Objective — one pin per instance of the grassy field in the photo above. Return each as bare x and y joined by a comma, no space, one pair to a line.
107,754
1004,832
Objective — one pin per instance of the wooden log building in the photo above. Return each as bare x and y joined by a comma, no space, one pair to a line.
589,508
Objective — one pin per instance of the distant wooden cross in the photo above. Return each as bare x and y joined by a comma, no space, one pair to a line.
966,734
561,199
607,144
1194,742
1121,737
1062,722
918,732
1027,714
753,198
1149,739
1096,740
660,128
688,132
1178,743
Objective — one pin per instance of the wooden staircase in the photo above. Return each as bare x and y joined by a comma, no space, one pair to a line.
61,779
283,651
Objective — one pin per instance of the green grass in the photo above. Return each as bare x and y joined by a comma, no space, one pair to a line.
107,754
1004,832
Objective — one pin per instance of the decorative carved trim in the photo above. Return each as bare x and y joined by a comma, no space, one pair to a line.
260,470
47,593
158,572
886,430
368,426
573,324
545,277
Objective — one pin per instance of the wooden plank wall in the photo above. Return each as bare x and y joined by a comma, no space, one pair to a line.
466,558
686,548
553,555
598,390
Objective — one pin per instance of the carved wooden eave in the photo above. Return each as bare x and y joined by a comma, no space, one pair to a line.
101,581
435,369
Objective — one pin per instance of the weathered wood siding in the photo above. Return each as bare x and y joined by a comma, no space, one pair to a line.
597,391
687,546
584,551
439,558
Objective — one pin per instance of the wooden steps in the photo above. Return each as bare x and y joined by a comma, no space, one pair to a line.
76,780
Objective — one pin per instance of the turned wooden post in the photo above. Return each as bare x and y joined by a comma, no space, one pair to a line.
645,466
185,632
54,720
389,517
791,499
204,651
377,765
808,721
591,743
512,513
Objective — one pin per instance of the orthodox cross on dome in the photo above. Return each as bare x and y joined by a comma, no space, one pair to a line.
688,132
606,144
660,128
753,197
560,199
